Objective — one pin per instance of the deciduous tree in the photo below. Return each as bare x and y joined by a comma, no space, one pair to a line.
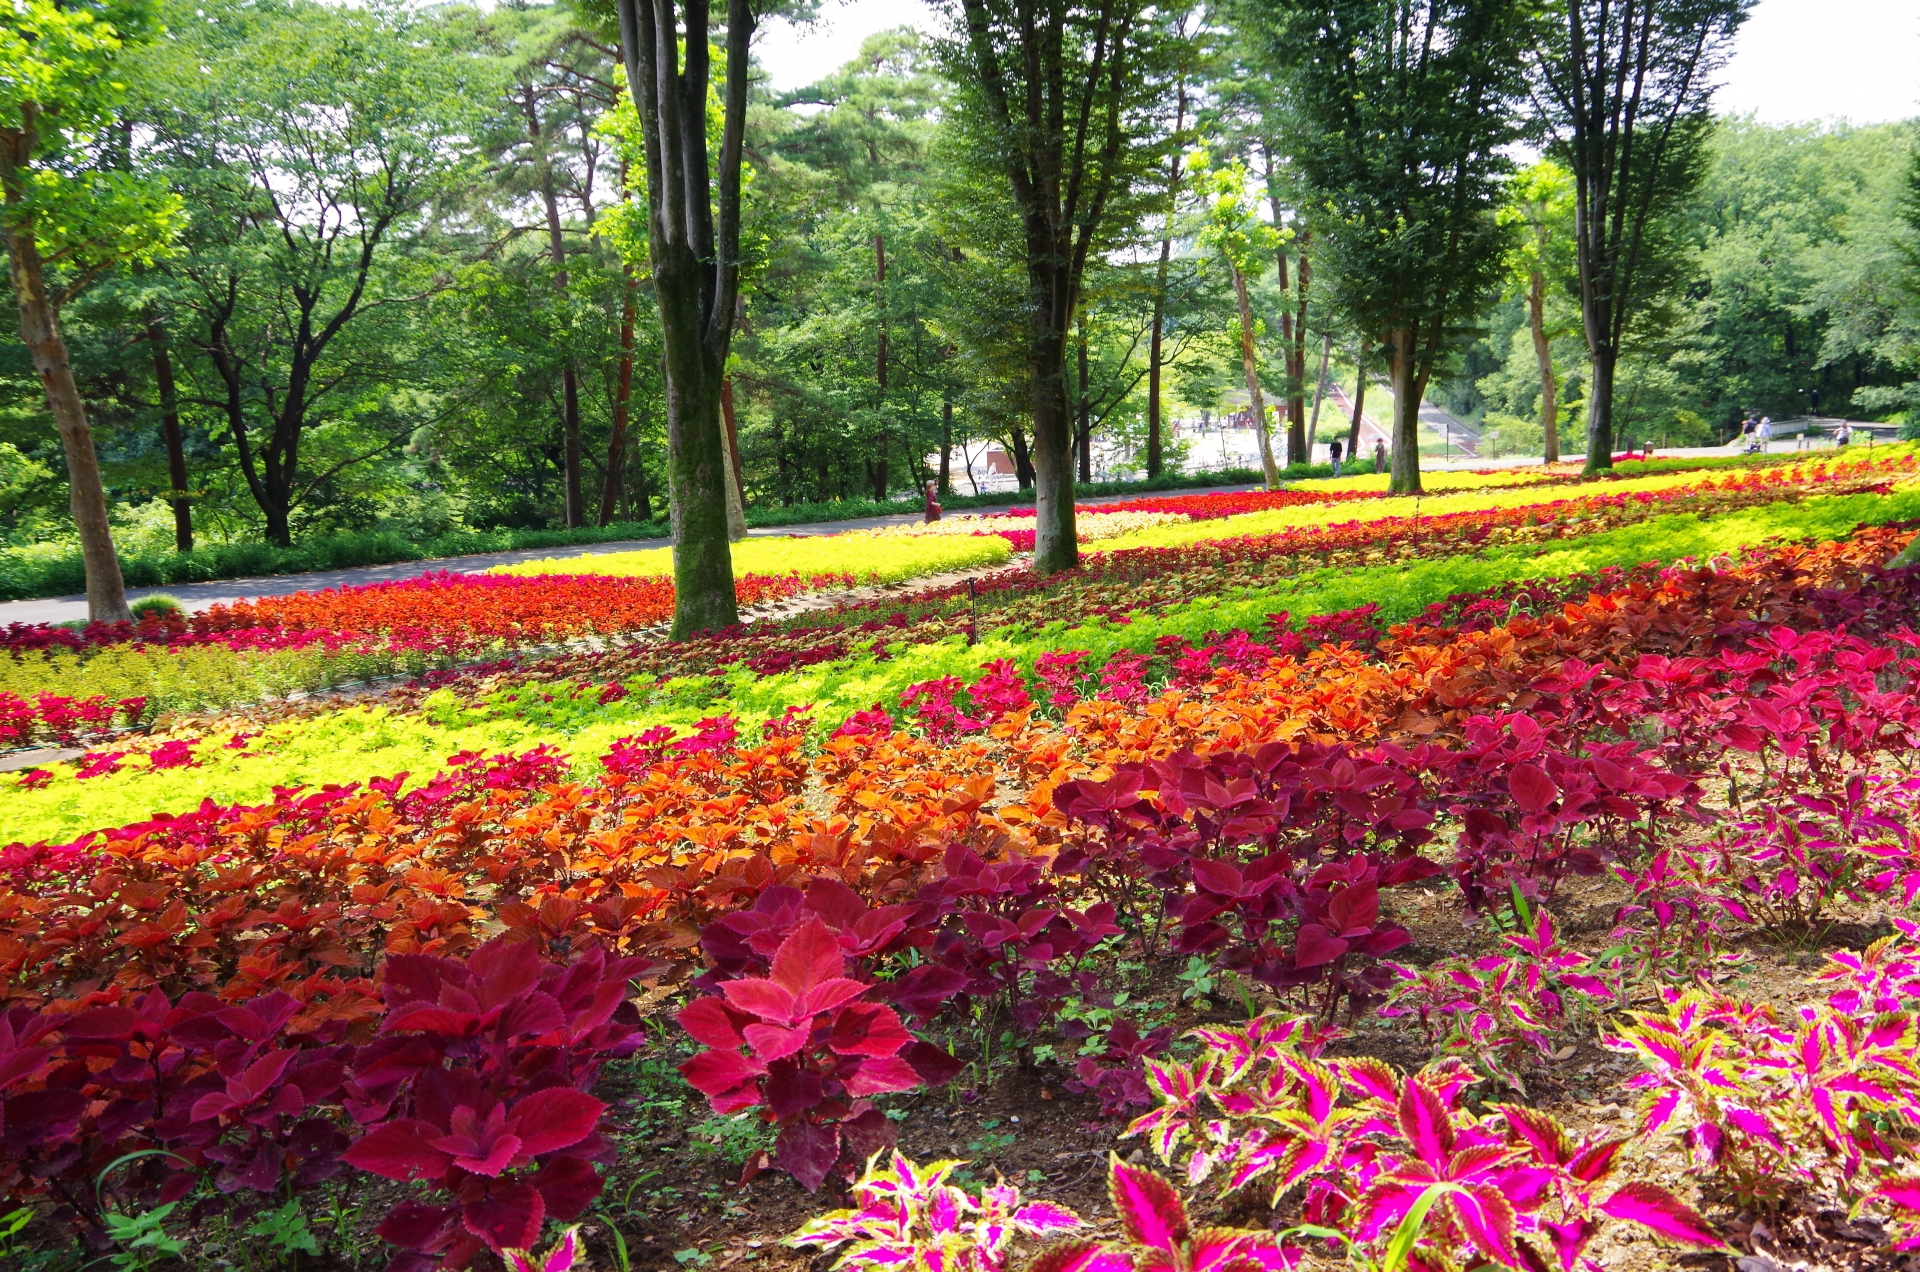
1055,95
1624,87
1401,111
67,218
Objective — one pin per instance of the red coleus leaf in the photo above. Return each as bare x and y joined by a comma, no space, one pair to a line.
1151,1212
556,1118
1659,1211
712,1023
867,1029
724,1076
808,959
1532,789
400,1150
879,1076
1355,910
776,1042
508,1215
1315,946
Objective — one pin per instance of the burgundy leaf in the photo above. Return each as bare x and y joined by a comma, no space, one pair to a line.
1080,1256
1532,789
1316,946
554,1118
508,1214
400,1150
932,1063
807,1152
568,1185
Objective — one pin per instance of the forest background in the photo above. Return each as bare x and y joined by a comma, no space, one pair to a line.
408,293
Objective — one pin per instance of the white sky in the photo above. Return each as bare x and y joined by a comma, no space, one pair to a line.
1795,60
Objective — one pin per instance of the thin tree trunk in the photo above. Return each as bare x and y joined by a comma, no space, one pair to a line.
1320,385
622,400
736,483
1250,364
877,473
1022,460
946,441
1299,440
1359,405
1406,414
170,437
570,458
1543,353
1155,444
40,331
1083,425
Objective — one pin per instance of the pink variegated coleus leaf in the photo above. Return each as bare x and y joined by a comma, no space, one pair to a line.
908,1216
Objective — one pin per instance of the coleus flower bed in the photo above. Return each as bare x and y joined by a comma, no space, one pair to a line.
444,612
1006,835
1111,585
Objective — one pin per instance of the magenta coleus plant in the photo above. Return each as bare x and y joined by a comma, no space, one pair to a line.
1824,1096
1383,1157
909,1216
1500,1010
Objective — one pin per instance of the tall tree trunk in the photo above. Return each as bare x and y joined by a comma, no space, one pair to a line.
1406,413
622,399
570,458
1056,544
1083,425
1299,441
877,471
1543,353
170,437
40,332
693,241
1359,405
946,441
1155,444
1022,460
1250,364
736,478
1320,385
1602,358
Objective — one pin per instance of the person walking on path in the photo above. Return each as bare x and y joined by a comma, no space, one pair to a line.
1379,456
1764,433
1843,434
932,508
1333,450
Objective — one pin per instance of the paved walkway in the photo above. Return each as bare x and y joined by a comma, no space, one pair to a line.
199,596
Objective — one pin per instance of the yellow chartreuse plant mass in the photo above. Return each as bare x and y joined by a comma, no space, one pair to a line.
1426,505
867,558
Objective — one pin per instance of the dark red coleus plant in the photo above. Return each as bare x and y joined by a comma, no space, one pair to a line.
808,1042
478,1084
